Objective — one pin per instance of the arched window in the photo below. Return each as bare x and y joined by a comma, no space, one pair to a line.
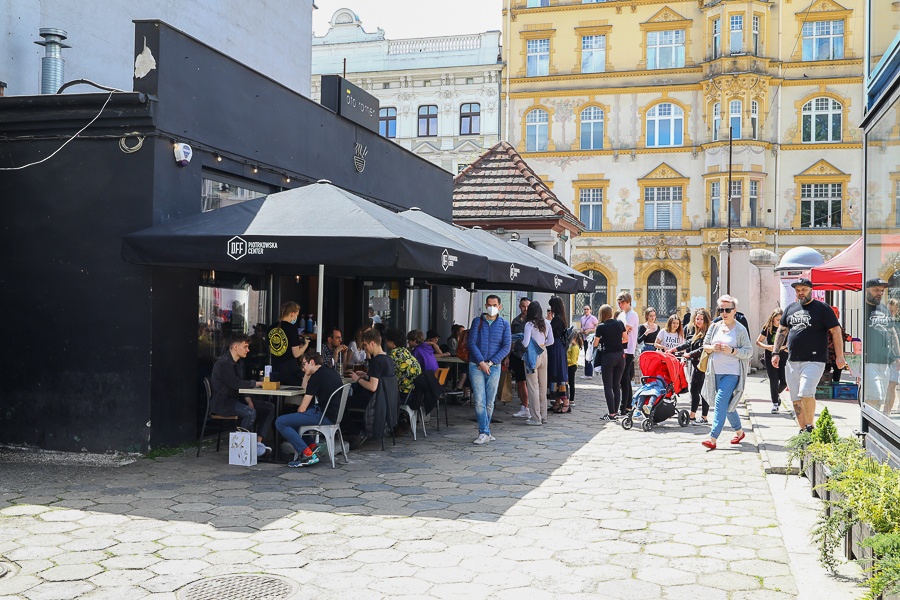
665,126
717,120
592,128
428,121
595,299
662,290
470,119
822,120
536,130
734,118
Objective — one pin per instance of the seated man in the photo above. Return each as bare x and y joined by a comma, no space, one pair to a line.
227,378
367,383
334,348
432,338
320,384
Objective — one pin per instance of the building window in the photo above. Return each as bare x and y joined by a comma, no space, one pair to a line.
536,130
734,118
662,289
470,80
754,120
736,45
665,126
470,119
820,205
897,207
717,38
386,85
734,203
219,191
428,121
598,297
823,40
822,120
754,201
592,128
665,49
538,57
755,41
537,3
590,202
387,122
714,203
717,121
662,208
593,53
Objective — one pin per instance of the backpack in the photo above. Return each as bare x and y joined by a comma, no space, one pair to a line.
568,334
462,347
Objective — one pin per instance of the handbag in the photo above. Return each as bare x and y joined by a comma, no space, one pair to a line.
242,448
462,347
704,361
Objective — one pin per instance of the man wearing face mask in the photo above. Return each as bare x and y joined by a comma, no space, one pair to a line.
881,345
489,341
286,346
806,325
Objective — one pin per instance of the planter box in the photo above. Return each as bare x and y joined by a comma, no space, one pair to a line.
808,468
821,477
858,533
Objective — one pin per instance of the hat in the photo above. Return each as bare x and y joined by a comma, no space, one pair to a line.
877,281
802,281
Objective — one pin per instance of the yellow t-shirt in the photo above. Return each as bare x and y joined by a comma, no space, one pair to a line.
572,354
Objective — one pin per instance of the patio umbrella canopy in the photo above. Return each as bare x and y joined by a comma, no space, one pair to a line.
842,272
319,224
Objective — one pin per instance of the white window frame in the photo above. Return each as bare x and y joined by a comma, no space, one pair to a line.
735,200
735,118
753,201
822,40
717,121
754,120
590,121
665,49
715,203
663,207
590,208
537,57
813,112
755,35
675,118
736,34
717,37
821,196
537,130
593,53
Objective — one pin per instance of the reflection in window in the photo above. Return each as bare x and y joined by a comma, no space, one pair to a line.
665,126
822,120
593,54
592,128
714,203
219,191
538,57
224,311
734,110
590,202
737,34
665,49
754,201
598,297
387,122
823,40
428,121
536,130
470,119
717,38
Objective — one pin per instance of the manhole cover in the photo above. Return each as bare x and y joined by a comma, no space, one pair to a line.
239,587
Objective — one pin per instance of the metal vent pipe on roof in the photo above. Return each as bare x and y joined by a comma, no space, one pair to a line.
52,64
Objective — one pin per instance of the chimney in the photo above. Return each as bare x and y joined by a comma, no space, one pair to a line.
2,88
52,64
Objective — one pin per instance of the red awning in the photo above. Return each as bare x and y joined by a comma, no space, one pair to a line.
842,272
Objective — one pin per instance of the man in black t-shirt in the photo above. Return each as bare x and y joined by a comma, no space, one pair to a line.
286,346
320,385
881,344
515,361
366,384
806,325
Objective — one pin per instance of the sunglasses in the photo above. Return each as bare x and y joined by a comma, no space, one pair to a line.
724,310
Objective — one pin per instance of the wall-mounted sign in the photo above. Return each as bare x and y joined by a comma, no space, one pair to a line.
350,101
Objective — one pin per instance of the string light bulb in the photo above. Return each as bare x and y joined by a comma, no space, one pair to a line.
287,178
218,158
255,169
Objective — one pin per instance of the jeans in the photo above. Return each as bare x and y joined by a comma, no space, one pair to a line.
289,424
484,391
725,385
264,409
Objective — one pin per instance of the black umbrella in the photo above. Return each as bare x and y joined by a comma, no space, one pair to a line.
574,281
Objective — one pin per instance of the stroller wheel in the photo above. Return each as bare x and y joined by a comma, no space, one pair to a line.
627,423
647,424
684,418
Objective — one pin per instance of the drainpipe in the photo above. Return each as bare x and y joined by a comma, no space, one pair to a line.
777,136
52,64
506,66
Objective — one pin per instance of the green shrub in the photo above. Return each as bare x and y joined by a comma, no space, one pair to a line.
885,569
825,430
796,447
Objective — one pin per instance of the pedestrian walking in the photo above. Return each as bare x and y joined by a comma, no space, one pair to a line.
538,335
588,329
693,350
648,330
610,344
557,365
766,341
488,341
629,319
516,356
728,343
805,326
881,345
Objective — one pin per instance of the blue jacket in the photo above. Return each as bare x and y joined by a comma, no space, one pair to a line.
531,353
489,341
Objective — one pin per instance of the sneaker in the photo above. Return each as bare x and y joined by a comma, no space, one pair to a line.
261,449
522,413
646,409
492,438
482,439
587,376
310,460
697,421
809,428
543,421
609,418
774,410
303,461
531,422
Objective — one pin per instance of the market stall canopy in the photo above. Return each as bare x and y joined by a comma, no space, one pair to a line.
841,272
318,224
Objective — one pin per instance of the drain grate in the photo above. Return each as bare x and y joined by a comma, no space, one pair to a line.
239,587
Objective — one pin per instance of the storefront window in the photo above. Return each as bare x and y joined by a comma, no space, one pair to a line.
383,302
221,190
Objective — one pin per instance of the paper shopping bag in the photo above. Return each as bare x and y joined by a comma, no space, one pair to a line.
505,387
242,448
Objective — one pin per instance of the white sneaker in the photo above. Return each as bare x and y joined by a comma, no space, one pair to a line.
482,439
523,413
492,438
775,409
530,422
587,376
261,449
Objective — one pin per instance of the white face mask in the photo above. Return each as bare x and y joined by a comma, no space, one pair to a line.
493,311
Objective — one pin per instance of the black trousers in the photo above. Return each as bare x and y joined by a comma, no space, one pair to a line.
627,376
612,364
697,380
572,370
777,381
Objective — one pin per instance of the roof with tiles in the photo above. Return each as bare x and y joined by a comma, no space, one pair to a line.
501,186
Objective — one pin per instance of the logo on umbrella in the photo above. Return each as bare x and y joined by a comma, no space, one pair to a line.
584,284
557,281
447,259
513,272
237,248
359,157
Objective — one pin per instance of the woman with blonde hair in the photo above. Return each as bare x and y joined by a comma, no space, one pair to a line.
766,341
648,331
693,349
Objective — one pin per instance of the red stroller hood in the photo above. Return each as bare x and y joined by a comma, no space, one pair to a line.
660,364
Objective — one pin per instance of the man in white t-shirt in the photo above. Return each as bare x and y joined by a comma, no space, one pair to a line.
588,328
629,318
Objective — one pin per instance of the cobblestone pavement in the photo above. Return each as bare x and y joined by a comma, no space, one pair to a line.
574,509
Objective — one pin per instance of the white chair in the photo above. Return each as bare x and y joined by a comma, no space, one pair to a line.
414,415
330,431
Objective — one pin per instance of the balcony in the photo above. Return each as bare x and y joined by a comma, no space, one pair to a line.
436,44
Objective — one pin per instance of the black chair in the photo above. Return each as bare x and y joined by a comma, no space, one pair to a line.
211,416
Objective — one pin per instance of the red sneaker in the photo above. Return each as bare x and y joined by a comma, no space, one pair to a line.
737,438
711,444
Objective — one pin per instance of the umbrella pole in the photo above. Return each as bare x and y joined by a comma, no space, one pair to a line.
409,304
321,300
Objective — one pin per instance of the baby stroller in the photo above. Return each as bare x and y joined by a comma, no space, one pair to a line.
662,379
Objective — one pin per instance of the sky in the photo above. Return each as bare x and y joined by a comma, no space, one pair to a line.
414,18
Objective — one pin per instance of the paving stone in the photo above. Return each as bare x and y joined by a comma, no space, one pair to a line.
58,590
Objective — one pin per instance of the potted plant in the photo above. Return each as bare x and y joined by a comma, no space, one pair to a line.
825,434
796,447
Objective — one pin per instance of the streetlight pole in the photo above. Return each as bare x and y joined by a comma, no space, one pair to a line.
728,209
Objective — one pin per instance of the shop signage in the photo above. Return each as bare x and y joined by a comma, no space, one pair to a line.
349,101
557,281
447,259
513,272
238,248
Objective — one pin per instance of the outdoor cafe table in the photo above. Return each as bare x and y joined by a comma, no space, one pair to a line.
288,391
455,361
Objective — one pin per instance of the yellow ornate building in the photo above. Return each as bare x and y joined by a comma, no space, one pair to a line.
625,109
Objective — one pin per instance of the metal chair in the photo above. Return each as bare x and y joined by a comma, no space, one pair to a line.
209,415
414,415
331,431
